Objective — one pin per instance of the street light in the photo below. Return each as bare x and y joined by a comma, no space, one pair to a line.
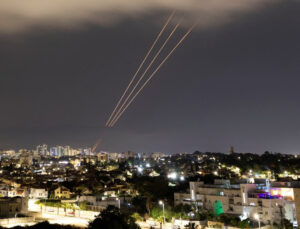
256,217
119,202
163,207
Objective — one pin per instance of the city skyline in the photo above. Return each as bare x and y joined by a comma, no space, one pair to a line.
90,149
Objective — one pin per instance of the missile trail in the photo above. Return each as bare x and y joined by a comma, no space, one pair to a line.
145,72
141,65
151,76
96,144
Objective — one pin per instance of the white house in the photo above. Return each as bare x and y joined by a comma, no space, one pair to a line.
246,200
38,193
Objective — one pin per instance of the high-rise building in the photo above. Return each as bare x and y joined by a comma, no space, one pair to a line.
53,151
60,151
74,152
67,150
87,151
41,150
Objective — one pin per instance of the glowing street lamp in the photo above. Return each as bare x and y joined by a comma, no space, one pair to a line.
140,169
119,202
256,217
163,207
172,176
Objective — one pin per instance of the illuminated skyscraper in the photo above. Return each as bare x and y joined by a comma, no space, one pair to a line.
42,150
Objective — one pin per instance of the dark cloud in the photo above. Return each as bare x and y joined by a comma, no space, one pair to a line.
19,16
235,84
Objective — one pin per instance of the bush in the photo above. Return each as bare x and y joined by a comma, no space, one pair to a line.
137,216
111,218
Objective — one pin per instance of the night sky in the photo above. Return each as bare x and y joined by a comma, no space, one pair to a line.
235,81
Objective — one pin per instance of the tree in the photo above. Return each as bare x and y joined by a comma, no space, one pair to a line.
244,224
148,204
287,224
83,205
139,204
137,216
218,208
111,218
157,213
45,225
51,196
181,211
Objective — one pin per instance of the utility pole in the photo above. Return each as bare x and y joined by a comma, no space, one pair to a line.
163,208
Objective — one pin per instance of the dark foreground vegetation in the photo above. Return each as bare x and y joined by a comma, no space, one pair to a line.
110,218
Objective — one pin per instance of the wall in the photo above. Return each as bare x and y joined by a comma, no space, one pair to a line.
297,203
6,222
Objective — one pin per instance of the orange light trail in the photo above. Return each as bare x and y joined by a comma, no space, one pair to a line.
96,144
113,122
141,65
145,72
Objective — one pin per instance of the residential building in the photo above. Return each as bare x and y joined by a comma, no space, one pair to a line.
102,157
42,150
62,193
157,155
9,191
38,193
11,207
297,203
246,200
99,203
113,156
26,159
129,154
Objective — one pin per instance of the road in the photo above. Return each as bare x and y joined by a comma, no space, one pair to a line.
60,215
66,220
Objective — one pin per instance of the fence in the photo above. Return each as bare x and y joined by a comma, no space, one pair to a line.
69,212
10,221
